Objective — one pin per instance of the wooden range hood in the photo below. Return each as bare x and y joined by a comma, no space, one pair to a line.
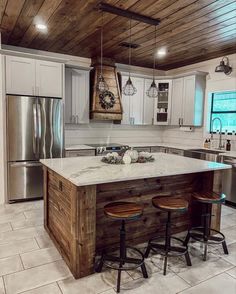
97,109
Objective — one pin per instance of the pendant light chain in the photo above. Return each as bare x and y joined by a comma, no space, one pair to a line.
129,89
154,57
102,44
152,92
130,48
101,83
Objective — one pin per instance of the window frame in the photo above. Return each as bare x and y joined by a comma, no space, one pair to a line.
219,112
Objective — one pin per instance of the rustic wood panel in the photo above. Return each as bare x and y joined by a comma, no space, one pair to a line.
73,28
75,220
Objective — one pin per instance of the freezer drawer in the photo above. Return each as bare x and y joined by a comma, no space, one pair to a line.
25,180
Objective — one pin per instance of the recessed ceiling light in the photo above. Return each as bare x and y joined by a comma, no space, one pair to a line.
161,52
41,27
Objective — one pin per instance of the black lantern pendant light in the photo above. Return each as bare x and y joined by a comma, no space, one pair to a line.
224,66
101,83
152,92
129,89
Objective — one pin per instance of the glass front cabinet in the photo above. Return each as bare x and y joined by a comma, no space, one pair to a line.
162,104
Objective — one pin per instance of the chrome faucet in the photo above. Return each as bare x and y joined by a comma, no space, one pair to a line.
221,145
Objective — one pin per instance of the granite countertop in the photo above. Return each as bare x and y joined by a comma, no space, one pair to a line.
83,171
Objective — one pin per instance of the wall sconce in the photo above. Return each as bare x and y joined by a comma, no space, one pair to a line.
224,66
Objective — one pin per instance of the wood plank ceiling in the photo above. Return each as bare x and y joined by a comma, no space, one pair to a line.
190,30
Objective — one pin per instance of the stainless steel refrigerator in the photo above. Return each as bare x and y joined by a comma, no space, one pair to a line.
34,131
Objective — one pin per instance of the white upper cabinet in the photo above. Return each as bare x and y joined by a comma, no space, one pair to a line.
137,109
188,100
76,96
26,76
48,78
136,102
20,75
177,98
148,104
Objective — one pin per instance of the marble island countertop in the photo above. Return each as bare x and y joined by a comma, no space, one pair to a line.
83,171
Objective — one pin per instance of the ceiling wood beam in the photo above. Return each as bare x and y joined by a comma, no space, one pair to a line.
128,14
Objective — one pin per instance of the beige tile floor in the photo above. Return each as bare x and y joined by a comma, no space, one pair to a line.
30,264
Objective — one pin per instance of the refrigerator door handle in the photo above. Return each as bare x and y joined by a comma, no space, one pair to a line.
39,118
35,135
26,164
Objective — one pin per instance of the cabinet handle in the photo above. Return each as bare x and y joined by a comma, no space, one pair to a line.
182,121
179,121
77,119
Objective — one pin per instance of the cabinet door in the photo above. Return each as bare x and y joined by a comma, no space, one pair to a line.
148,104
20,75
126,105
136,102
48,78
188,101
80,96
177,101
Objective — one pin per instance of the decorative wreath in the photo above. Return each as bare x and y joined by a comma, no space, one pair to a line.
107,99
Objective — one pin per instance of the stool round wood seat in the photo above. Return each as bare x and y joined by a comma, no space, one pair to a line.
168,248
123,210
170,203
204,233
209,197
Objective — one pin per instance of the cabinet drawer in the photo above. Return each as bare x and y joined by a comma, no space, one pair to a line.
142,149
76,153
176,151
157,149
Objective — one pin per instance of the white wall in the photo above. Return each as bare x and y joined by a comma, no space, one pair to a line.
111,133
215,82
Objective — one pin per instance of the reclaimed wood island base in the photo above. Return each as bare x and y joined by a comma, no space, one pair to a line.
75,221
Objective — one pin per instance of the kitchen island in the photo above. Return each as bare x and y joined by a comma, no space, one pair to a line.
77,189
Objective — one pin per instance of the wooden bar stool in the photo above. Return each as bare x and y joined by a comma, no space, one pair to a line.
169,204
204,233
123,211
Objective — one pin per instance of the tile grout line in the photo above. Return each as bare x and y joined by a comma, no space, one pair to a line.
59,286
204,281
230,275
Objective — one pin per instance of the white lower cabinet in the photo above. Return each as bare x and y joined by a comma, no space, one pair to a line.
80,152
27,76
76,96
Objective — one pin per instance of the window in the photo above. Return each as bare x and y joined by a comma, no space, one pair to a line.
224,107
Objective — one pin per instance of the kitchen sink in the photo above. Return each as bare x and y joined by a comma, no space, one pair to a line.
204,154
210,151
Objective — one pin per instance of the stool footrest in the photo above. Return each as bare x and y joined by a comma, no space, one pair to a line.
173,250
122,261
198,235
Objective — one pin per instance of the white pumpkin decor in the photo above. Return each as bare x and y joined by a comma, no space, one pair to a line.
133,154
127,159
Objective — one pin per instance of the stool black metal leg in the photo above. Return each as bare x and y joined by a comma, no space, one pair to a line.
168,240
144,271
225,248
99,267
187,258
205,252
186,239
122,241
118,280
146,254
